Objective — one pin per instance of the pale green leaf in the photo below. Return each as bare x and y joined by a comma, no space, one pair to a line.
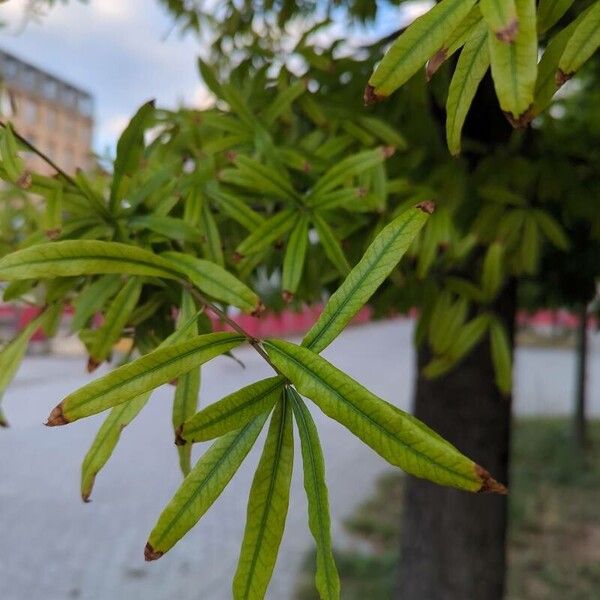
268,233
293,260
331,245
550,11
93,298
501,17
582,44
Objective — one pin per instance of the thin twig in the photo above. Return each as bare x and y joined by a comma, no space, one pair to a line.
254,342
41,154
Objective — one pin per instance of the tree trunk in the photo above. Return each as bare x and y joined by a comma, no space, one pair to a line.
453,543
579,421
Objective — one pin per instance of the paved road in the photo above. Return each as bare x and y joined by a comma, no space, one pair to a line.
53,547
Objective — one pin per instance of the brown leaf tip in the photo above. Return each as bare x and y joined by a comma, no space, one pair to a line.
179,439
427,206
435,62
56,417
25,180
370,97
522,120
92,364
151,554
509,33
53,234
259,310
388,151
287,296
488,484
560,77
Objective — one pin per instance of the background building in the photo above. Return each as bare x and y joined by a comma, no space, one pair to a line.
51,113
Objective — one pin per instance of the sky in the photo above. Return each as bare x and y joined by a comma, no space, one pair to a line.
118,50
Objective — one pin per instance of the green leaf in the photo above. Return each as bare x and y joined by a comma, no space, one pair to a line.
237,210
370,418
501,17
213,247
142,375
266,179
215,281
283,101
295,255
115,319
202,487
267,508
347,168
551,228
233,411
514,66
421,39
170,227
268,233
53,214
83,257
331,244
550,11
11,161
12,354
130,149
501,356
378,261
209,77
106,441
337,199
327,579
530,246
383,131
582,44
472,65
93,298
491,276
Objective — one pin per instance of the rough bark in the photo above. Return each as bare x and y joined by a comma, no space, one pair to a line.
453,543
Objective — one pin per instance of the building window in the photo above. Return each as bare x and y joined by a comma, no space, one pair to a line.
50,88
29,110
51,117
28,78
10,68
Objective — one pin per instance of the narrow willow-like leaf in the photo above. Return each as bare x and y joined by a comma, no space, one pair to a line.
267,508
12,354
582,44
472,64
215,281
267,179
53,213
454,42
115,319
500,349
491,276
142,375
514,66
380,258
237,209
331,245
170,227
12,162
293,260
348,167
421,40
268,233
551,228
130,148
529,250
550,11
283,101
345,197
386,133
233,411
501,17
93,298
185,400
106,441
202,487
83,257
395,438
327,579
213,247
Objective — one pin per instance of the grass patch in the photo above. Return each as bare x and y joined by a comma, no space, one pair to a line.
554,526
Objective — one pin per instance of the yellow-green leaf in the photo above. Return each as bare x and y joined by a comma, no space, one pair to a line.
142,375
421,39
501,356
472,65
293,260
202,487
331,245
267,508
514,66
233,411
501,17
370,418
378,261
